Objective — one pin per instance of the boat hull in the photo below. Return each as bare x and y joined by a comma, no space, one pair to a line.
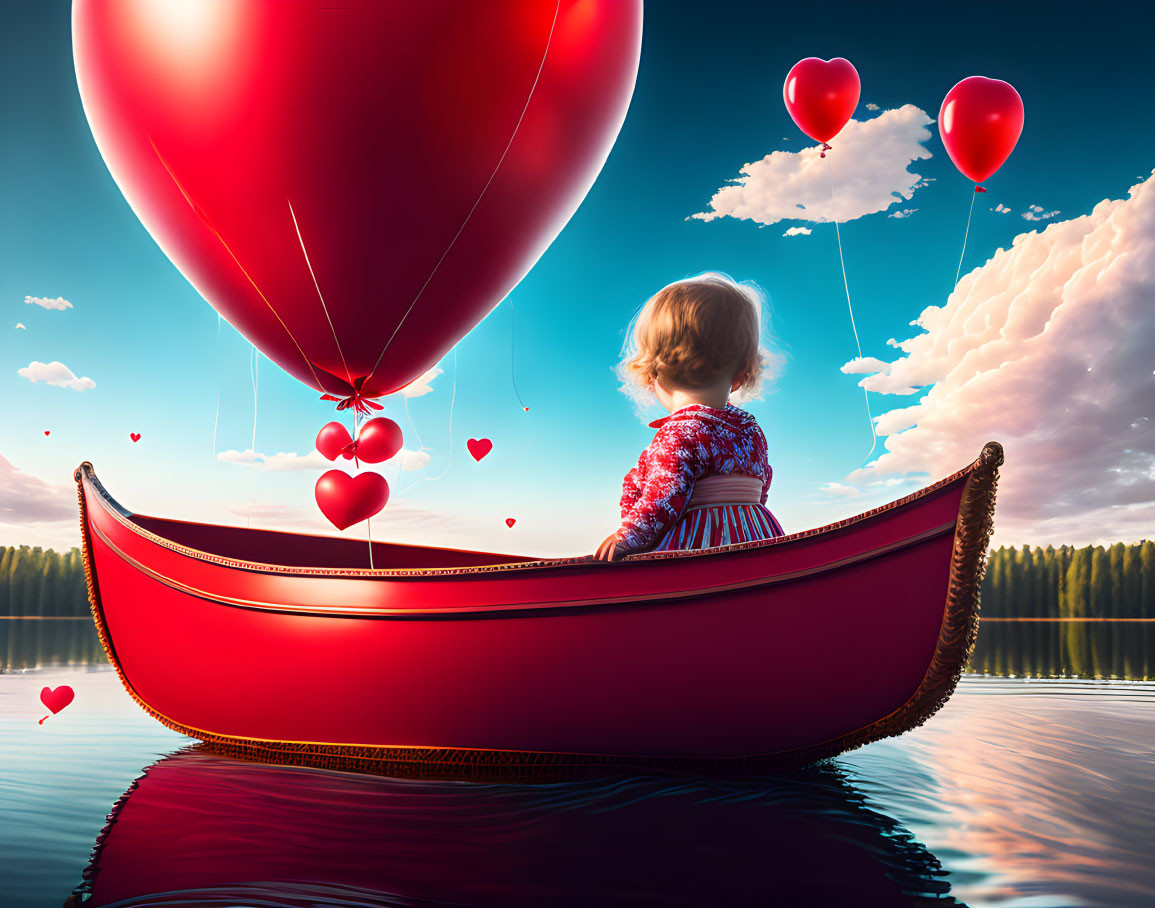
754,655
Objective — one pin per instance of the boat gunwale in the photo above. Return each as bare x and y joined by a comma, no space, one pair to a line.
86,473
520,609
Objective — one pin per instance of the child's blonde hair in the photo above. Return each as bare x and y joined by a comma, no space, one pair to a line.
695,332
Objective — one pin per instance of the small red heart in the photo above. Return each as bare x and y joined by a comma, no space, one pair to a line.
479,447
135,436
378,440
509,521
46,432
332,441
346,500
57,699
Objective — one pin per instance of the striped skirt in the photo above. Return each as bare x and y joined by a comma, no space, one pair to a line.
723,524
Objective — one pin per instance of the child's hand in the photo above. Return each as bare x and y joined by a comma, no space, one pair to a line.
609,550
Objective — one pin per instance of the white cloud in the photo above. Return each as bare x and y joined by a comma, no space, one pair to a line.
281,462
27,499
289,462
798,231
869,161
20,326
1001,208
421,385
864,365
56,374
409,460
839,490
872,107
45,303
904,213
1036,213
1046,348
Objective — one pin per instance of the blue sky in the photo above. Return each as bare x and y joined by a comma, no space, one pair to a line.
708,101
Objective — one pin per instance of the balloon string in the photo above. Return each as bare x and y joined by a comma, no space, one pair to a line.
449,462
41,722
204,219
853,326
512,349
484,190
217,415
252,444
317,285
958,271
357,464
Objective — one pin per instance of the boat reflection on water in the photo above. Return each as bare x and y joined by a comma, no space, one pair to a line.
203,829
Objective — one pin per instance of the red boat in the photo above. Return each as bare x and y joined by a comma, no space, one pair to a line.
274,646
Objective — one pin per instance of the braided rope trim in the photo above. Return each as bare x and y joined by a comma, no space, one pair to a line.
956,641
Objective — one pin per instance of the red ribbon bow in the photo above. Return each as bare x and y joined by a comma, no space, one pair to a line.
362,405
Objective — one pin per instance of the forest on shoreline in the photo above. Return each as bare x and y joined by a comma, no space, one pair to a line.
1035,602
1021,582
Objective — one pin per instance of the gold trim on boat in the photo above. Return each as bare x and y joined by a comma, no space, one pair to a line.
372,611
86,472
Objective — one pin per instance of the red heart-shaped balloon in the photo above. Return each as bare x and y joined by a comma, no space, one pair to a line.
263,144
510,521
821,95
479,447
378,440
47,432
347,500
980,122
332,441
135,436
58,698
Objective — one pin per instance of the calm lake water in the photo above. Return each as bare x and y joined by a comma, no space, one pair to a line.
1018,793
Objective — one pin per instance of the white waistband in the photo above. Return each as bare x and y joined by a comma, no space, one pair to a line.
725,488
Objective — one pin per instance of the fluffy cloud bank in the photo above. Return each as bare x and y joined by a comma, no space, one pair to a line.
56,374
45,303
25,499
869,160
1048,348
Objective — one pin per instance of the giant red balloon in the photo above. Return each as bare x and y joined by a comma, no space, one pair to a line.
980,121
821,95
355,185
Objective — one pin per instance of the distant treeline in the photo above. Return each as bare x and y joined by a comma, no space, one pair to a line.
1091,582
1026,582
34,581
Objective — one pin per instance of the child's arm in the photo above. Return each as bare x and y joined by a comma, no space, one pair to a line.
677,463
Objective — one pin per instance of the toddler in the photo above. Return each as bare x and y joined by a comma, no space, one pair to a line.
703,480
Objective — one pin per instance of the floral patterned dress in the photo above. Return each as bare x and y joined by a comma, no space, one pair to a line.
691,443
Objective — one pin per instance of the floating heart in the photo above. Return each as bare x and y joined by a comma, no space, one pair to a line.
509,521
56,699
332,441
135,436
980,122
46,432
378,440
821,95
479,447
346,500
